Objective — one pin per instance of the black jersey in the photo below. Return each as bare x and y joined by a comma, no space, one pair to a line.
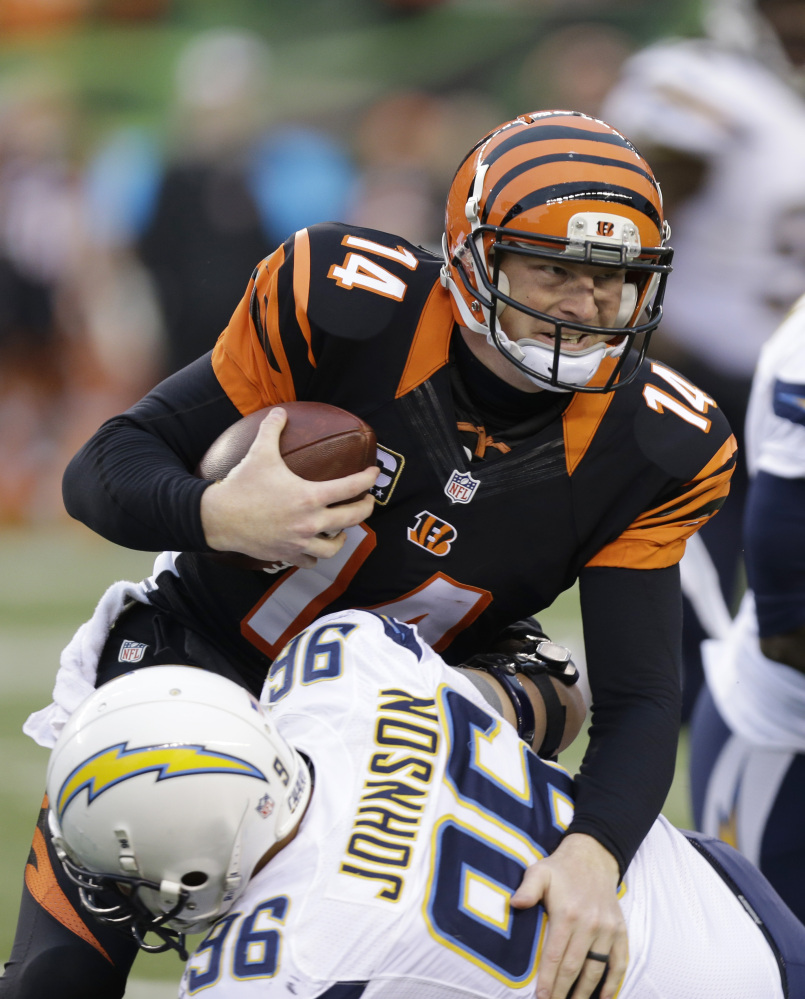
460,546
462,541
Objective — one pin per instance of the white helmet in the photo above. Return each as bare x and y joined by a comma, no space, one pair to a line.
173,783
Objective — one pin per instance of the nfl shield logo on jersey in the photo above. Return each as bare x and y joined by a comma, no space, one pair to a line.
131,652
461,487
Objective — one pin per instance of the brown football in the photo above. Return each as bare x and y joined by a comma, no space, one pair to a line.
318,442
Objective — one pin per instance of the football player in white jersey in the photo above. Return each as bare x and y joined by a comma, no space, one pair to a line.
722,119
748,729
370,830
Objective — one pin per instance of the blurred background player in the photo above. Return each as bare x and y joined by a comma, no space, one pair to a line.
722,120
234,178
525,441
748,729
370,832
47,368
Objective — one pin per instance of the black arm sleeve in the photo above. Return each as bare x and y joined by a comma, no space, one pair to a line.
133,481
632,635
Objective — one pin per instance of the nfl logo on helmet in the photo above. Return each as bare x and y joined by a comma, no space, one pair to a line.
461,487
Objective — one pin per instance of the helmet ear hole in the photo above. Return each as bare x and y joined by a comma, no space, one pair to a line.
194,879
628,304
504,287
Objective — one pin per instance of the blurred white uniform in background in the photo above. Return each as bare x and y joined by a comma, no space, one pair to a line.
748,730
748,124
722,120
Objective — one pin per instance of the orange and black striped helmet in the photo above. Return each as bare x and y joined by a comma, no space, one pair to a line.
562,186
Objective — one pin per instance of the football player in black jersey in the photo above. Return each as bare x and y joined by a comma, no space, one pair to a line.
525,442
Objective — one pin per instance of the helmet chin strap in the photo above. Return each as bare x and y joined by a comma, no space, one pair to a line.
576,369
467,317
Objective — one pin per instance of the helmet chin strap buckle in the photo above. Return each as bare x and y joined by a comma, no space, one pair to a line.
169,893
474,201
500,340
444,273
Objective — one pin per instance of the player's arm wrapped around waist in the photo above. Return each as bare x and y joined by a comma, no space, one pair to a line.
533,685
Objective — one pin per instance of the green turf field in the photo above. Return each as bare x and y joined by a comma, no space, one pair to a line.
50,580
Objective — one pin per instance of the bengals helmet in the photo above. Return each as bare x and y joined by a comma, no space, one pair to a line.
166,787
563,187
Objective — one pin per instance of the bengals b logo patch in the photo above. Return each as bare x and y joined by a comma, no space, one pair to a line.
430,532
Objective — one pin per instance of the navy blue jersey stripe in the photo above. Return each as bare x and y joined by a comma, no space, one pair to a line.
789,401
345,990
775,551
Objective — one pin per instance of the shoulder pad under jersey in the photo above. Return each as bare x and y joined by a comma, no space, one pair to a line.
362,281
678,427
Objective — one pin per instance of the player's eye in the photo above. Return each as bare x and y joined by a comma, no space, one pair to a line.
609,278
552,272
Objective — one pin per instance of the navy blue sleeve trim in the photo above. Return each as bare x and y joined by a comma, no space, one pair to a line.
788,400
774,533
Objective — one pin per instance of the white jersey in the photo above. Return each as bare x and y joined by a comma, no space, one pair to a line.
775,444
739,242
426,811
761,700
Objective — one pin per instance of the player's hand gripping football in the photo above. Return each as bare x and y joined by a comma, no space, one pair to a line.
262,509
577,885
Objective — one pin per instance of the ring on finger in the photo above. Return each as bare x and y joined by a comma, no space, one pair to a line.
595,956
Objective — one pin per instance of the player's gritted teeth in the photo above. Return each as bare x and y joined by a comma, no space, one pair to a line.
573,341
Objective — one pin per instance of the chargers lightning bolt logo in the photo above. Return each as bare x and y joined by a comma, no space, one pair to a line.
118,763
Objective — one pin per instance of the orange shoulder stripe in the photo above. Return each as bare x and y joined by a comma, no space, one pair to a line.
721,458
430,348
239,356
632,552
656,539
583,416
699,503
